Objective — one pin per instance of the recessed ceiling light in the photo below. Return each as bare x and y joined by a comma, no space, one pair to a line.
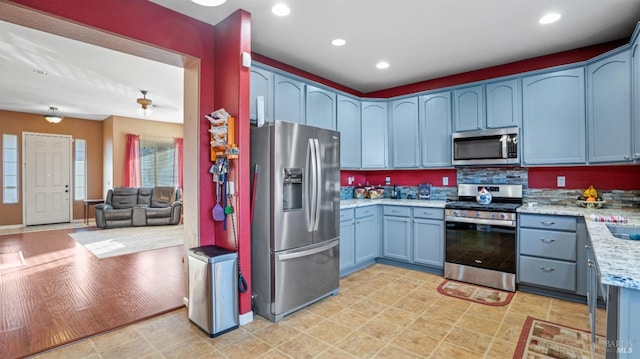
209,2
382,65
280,9
550,18
338,42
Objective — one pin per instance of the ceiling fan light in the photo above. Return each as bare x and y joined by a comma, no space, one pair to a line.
53,116
146,112
209,2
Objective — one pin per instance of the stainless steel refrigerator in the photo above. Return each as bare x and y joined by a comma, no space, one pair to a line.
295,231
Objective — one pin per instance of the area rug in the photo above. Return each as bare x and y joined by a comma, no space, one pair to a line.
113,242
474,293
542,339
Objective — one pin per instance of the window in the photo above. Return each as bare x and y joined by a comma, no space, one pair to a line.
157,163
9,168
80,170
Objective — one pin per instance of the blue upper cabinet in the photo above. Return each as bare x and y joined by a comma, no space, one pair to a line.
405,134
435,129
609,109
553,122
261,86
289,99
503,101
468,108
349,128
635,82
374,134
321,108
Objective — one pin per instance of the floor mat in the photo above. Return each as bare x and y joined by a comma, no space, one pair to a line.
543,339
475,293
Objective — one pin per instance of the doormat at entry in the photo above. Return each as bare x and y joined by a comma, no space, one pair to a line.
542,339
474,293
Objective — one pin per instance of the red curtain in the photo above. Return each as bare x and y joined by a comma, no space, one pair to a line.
177,170
132,174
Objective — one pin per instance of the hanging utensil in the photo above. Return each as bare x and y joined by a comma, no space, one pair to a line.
218,211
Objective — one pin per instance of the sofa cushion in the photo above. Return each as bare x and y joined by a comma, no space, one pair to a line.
118,214
164,212
124,197
144,196
163,196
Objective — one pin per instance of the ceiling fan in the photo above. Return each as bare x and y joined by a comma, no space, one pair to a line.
145,103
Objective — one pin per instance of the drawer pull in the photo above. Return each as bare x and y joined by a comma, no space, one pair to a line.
547,223
395,211
427,213
547,269
477,261
546,240
586,246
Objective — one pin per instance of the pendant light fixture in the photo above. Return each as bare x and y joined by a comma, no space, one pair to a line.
145,103
53,116
209,2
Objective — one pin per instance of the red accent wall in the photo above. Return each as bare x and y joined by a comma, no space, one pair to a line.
536,63
400,177
233,37
601,177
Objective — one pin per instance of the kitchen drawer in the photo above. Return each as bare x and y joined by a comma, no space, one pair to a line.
550,244
547,273
397,211
346,214
428,213
557,223
365,211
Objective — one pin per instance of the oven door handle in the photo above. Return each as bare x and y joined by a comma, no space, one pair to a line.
493,222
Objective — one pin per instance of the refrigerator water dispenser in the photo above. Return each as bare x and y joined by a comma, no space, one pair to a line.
292,190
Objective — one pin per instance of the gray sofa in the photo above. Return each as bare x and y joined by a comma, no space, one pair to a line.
133,207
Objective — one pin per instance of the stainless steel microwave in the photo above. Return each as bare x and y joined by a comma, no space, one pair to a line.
486,147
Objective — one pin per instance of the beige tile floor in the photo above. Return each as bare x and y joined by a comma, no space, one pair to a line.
381,312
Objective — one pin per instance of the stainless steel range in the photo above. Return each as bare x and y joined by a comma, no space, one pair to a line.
481,238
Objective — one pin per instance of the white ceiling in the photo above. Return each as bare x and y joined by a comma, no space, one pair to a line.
82,80
421,39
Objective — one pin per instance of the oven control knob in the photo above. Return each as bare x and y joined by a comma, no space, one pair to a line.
503,216
477,214
493,216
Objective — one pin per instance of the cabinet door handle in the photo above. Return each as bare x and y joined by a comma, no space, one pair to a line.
586,246
477,261
547,269
427,213
395,211
546,240
547,223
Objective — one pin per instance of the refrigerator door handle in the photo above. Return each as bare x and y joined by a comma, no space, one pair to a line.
308,252
317,178
313,188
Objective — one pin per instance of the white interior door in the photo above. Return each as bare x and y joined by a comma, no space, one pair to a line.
46,178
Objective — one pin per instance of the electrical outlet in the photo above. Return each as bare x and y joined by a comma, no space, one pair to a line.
387,180
561,181
350,180
445,181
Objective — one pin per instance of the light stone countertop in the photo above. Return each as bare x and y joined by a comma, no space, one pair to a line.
353,203
618,259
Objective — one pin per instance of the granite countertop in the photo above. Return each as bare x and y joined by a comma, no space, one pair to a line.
618,259
353,203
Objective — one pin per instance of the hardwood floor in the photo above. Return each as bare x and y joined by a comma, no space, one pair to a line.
54,291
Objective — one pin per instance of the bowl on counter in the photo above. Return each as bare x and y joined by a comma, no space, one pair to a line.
375,193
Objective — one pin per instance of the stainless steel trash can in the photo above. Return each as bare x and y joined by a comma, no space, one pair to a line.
213,289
